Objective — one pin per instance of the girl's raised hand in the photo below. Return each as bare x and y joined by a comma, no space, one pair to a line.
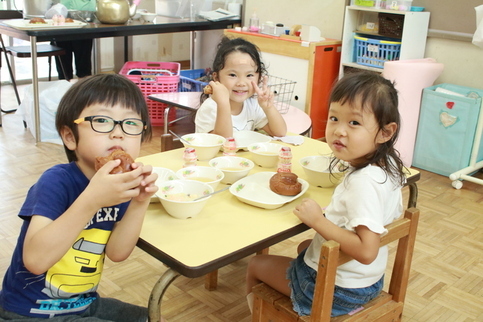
220,93
265,95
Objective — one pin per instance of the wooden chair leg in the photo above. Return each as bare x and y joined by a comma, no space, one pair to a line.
211,281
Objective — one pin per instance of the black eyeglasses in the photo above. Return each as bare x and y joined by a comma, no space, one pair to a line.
105,124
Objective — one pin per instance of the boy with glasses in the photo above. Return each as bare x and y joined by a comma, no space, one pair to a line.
74,215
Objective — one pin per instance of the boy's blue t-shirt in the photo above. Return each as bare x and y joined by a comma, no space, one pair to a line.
69,286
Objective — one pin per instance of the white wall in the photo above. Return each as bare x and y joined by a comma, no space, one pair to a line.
463,61
327,15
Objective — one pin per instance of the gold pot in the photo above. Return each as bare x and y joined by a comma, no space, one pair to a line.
115,11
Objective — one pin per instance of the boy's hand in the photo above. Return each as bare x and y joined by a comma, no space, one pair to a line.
111,189
147,188
265,95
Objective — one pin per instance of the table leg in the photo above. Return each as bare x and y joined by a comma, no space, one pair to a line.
211,280
154,305
35,85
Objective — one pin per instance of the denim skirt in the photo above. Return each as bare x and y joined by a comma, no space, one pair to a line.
302,284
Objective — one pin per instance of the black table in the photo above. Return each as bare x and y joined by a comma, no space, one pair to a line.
99,30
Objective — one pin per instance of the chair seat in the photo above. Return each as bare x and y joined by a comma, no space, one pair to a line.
43,50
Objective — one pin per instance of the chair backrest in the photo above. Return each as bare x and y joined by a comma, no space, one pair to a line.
169,142
388,306
403,230
10,14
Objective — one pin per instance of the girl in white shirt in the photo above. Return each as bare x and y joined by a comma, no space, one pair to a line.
237,73
362,128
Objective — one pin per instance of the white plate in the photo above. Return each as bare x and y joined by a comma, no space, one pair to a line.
255,190
24,24
245,138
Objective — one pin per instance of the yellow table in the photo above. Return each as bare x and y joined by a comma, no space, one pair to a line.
226,230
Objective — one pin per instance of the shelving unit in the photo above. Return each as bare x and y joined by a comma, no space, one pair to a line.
413,39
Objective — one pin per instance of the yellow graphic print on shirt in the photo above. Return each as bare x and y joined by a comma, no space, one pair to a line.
79,271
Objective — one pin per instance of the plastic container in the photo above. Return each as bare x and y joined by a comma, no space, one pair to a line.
153,78
188,80
401,5
379,4
368,22
363,3
375,52
254,23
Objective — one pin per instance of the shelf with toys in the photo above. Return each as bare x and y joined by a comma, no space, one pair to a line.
387,34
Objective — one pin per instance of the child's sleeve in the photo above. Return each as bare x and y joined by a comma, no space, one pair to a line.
206,117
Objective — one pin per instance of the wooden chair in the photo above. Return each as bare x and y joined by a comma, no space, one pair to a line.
169,142
270,305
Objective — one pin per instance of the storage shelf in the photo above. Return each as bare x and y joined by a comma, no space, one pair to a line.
413,39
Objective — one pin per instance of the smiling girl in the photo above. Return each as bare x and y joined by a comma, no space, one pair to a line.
237,73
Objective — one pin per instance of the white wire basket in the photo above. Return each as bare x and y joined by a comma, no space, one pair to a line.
283,90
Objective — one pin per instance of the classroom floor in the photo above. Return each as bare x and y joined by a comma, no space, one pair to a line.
446,282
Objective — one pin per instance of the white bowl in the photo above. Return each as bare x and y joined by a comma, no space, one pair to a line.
148,17
244,138
234,168
209,175
318,173
207,145
177,197
265,154
163,175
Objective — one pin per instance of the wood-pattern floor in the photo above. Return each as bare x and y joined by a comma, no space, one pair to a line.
446,281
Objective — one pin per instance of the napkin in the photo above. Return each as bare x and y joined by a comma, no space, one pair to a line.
291,139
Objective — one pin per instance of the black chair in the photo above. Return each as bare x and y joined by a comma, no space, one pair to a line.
43,50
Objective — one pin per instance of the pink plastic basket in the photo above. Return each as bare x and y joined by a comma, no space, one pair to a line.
152,78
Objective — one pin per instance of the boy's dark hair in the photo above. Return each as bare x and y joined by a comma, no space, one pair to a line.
377,94
228,46
108,89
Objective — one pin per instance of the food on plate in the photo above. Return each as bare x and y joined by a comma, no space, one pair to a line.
285,184
69,20
126,161
208,90
37,20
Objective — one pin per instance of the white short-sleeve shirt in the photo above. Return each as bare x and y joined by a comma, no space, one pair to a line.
366,197
252,116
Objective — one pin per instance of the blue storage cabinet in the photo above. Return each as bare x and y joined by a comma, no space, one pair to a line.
446,129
